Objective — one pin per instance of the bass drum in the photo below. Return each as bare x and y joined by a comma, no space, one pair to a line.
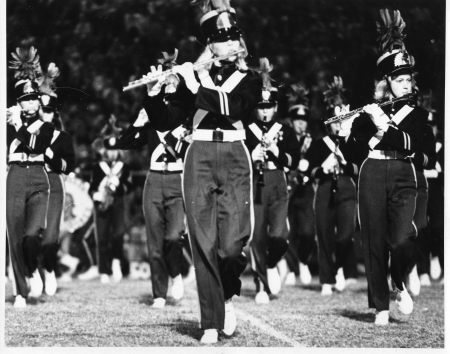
78,205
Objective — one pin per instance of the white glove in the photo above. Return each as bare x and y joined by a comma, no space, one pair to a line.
187,71
303,165
141,119
379,118
346,126
49,153
258,153
154,87
274,149
13,116
329,164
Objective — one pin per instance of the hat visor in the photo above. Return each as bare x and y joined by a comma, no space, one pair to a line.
225,34
28,97
262,105
299,117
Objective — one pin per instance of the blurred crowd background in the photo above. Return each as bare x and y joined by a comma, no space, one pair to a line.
101,45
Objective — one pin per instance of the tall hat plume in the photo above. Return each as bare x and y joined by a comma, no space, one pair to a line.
298,101
394,58
208,5
25,63
109,130
49,97
334,95
169,60
27,72
268,91
48,85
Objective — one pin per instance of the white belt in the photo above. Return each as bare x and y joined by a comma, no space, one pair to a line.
218,135
386,155
24,157
166,166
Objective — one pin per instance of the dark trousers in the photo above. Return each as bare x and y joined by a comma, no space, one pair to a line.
301,221
421,222
109,232
335,218
27,192
387,198
164,221
436,218
50,241
218,198
269,241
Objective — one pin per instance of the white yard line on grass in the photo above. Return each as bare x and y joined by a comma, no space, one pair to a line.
266,328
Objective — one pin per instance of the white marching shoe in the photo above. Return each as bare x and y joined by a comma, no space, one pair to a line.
36,284
104,278
414,282
435,268
327,290
90,274
404,302
340,280
305,274
273,280
290,279
210,336
382,318
425,280
116,270
159,303
20,302
50,283
230,323
177,291
262,297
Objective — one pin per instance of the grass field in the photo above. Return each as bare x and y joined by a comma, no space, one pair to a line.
94,314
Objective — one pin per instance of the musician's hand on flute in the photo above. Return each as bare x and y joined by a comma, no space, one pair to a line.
273,148
154,86
142,119
186,70
377,115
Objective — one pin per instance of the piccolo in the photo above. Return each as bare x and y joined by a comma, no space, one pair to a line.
152,77
341,117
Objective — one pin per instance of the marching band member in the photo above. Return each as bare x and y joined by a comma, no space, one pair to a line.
302,242
429,172
385,138
162,196
27,186
217,185
110,182
59,159
274,148
335,201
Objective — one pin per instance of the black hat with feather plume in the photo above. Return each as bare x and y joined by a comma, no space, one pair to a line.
110,130
218,23
394,58
49,97
298,101
269,93
334,97
27,72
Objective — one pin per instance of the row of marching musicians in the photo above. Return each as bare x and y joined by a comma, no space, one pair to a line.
208,130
